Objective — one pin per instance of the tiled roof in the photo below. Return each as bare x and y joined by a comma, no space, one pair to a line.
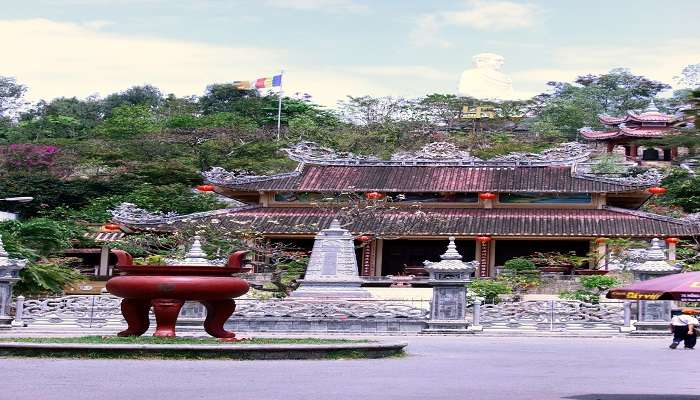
461,222
398,179
608,120
650,116
646,116
627,131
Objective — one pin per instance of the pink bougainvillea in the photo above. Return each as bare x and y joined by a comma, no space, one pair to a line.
28,156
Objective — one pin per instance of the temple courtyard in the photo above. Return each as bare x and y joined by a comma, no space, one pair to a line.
436,367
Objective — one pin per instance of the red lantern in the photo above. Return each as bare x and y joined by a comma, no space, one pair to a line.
487,196
205,188
657,190
110,227
483,239
364,238
672,240
374,196
601,240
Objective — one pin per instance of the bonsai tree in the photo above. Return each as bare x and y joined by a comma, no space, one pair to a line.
592,288
488,289
556,259
520,274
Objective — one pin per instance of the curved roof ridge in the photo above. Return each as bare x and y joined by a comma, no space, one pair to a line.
645,214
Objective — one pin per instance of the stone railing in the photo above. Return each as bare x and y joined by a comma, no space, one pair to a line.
98,311
103,311
552,315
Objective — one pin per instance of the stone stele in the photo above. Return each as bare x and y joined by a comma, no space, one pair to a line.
332,270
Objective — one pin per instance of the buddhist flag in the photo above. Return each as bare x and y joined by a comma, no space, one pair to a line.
259,83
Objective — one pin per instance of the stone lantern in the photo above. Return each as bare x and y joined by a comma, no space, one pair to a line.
654,264
9,275
653,314
449,278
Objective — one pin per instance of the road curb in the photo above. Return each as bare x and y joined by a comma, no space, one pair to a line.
205,351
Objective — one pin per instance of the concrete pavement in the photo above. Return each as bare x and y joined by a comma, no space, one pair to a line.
438,367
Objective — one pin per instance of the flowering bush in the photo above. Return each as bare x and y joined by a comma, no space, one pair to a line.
24,156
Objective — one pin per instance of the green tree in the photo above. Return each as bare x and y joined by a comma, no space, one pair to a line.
129,120
221,97
11,94
146,95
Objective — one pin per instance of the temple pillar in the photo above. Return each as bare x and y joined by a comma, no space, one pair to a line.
367,264
671,251
485,249
634,151
611,147
674,153
628,152
602,252
378,254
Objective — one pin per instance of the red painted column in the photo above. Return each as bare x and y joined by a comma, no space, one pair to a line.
484,258
674,152
611,147
633,151
367,264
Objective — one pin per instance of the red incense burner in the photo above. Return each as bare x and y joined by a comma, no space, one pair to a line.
167,287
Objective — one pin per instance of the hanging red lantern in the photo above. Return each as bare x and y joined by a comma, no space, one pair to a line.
483,239
672,240
374,196
487,196
364,238
205,188
657,190
601,240
111,227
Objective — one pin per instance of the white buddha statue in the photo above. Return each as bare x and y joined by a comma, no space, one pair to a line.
485,80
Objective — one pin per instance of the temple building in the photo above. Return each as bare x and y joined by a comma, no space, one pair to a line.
629,130
496,209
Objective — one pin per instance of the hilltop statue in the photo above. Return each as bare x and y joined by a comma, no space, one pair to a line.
485,80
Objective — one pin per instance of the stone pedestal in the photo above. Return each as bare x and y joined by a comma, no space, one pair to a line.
449,305
332,270
9,275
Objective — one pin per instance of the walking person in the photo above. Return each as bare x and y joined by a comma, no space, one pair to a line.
684,328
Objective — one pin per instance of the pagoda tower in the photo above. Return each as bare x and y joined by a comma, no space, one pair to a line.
629,130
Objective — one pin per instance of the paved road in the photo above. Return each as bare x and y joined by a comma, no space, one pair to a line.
437,368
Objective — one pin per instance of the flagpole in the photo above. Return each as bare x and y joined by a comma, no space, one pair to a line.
279,106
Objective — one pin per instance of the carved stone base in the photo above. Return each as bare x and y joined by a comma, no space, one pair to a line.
5,322
447,327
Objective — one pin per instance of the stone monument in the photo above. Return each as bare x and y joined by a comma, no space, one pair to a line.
9,275
332,270
449,278
485,80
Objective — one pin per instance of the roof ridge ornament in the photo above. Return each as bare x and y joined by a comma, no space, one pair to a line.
437,154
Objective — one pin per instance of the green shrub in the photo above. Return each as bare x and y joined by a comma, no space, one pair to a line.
489,289
46,278
600,283
518,265
593,287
